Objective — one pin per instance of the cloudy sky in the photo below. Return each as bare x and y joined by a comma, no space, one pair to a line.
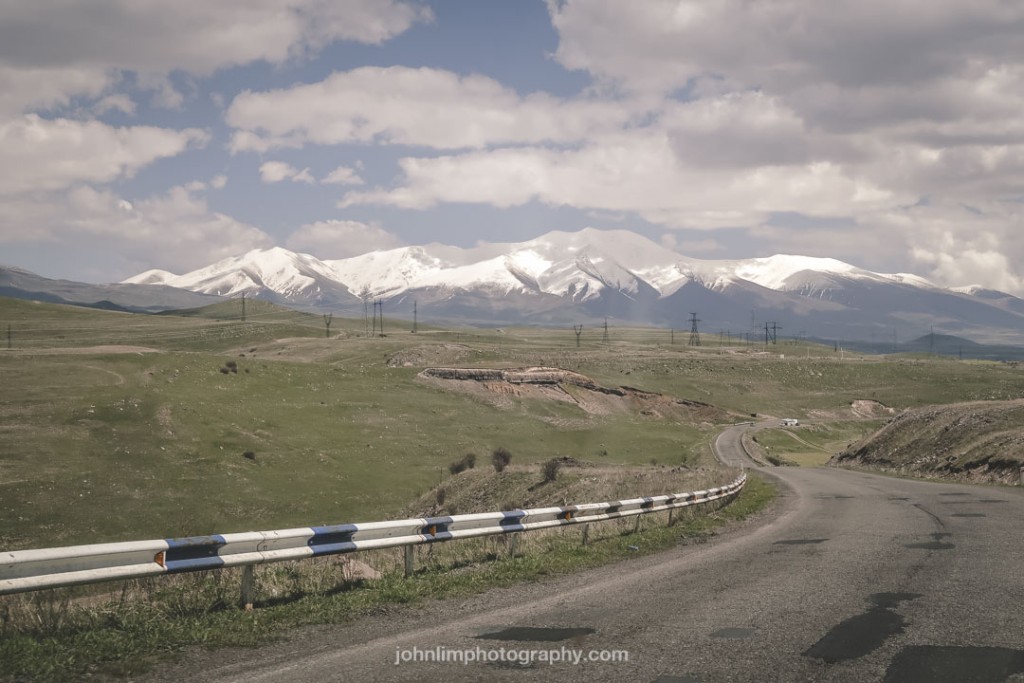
138,134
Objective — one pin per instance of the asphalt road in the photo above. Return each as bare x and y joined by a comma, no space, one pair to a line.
852,577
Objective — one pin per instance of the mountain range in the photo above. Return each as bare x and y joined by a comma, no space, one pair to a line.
18,283
564,278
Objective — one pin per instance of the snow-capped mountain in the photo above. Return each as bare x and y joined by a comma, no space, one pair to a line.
572,276
275,274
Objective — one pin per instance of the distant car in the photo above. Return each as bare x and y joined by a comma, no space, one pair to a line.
791,422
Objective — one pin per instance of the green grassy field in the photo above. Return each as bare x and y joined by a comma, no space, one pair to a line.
812,444
103,444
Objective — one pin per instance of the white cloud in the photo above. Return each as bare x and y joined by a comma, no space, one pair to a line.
121,103
425,107
193,35
219,182
40,155
962,245
781,46
59,49
24,88
178,226
635,172
335,239
343,175
276,171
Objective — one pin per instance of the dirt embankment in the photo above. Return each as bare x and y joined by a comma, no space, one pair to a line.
860,409
501,387
981,441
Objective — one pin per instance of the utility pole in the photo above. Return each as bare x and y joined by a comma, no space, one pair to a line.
378,306
673,339
415,317
328,317
8,337
578,329
605,338
243,307
694,334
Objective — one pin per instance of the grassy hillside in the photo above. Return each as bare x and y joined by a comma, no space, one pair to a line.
979,441
121,426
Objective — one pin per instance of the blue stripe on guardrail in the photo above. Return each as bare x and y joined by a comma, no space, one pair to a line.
512,520
332,539
436,529
193,553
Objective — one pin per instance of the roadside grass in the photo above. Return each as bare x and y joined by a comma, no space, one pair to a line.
51,636
813,444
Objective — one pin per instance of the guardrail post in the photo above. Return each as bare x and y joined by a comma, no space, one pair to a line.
586,534
670,511
636,525
248,585
408,560
513,543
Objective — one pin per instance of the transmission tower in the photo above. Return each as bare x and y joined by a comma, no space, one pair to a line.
694,334
378,310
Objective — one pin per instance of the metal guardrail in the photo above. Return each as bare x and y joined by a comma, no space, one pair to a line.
29,570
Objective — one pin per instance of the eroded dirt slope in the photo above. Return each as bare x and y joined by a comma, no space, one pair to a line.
503,386
979,441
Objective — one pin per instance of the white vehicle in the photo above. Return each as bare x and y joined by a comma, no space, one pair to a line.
790,422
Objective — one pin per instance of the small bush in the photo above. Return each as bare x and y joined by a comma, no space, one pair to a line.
249,455
551,468
440,494
224,371
466,462
500,459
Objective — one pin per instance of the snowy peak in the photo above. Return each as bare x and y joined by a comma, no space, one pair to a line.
561,276
151,277
274,271
774,272
579,266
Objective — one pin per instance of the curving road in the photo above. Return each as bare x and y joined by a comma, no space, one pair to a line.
854,577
